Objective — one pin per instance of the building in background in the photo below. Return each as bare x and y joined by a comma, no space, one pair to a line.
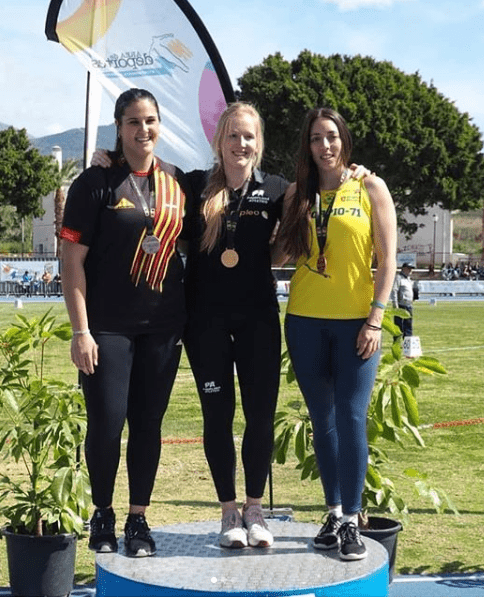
44,239
433,241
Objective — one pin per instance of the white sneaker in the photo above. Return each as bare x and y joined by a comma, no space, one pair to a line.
257,529
233,534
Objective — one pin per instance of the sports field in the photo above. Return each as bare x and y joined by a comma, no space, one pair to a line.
452,425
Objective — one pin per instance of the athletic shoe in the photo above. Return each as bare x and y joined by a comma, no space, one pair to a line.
233,534
257,529
327,538
138,541
352,547
102,538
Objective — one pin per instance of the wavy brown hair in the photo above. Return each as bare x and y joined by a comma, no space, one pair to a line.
215,194
293,234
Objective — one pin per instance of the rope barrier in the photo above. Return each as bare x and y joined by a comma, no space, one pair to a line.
188,440
458,423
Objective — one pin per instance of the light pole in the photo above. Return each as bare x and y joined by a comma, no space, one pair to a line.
435,218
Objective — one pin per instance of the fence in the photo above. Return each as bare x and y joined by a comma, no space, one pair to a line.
19,289
454,288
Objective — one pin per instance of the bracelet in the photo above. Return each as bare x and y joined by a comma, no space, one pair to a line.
372,327
378,304
81,332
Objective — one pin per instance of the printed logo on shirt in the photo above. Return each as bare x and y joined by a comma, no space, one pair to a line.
210,387
258,197
123,204
353,196
253,212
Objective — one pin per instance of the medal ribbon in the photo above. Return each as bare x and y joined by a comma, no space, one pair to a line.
149,210
322,222
232,219
168,224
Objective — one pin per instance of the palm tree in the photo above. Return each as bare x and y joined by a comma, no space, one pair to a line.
67,173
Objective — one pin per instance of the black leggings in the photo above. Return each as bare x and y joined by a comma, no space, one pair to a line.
252,340
132,381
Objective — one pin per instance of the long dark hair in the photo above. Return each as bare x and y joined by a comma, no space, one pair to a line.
122,103
294,227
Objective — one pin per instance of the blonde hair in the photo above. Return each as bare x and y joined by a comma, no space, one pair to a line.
216,193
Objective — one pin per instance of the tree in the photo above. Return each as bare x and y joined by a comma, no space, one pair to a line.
25,175
67,173
403,129
11,231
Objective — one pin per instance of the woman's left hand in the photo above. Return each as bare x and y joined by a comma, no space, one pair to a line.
368,342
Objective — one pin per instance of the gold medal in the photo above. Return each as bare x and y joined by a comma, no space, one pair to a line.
150,244
321,263
229,258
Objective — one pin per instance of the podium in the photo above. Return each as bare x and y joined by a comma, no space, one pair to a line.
190,563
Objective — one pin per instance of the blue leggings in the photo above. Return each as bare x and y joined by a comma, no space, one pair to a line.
336,384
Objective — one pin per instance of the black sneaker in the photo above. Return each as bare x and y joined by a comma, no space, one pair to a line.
102,538
352,547
327,538
138,541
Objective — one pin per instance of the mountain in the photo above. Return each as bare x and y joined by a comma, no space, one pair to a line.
72,141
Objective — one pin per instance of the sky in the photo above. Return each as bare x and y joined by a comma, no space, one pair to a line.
43,86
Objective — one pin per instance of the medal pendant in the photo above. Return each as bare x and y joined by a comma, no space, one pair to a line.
321,264
150,244
229,258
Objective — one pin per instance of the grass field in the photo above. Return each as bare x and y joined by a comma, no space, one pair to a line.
453,459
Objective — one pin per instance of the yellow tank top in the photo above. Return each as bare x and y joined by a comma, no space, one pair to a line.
348,291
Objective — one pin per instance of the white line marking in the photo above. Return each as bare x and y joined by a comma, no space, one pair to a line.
402,579
458,348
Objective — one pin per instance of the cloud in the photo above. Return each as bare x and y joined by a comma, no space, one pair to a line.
346,5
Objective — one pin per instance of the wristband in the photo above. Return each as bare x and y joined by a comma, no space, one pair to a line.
81,332
378,304
372,327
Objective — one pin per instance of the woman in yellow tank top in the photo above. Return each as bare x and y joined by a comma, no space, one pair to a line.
332,226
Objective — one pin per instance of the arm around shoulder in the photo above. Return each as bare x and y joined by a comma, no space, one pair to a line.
278,256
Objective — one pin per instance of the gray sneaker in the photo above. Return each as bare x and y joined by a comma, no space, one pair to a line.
233,534
257,529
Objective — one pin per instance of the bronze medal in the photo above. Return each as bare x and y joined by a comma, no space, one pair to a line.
321,263
229,258
150,244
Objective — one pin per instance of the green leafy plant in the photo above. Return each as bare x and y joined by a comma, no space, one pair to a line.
42,426
392,416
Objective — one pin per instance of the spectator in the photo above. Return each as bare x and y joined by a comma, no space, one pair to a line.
402,296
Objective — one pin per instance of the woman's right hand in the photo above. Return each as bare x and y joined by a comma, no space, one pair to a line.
84,353
101,158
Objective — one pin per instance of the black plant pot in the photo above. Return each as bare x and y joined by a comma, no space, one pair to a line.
41,566
385,531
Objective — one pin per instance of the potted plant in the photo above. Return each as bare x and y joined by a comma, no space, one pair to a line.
42,426
392,414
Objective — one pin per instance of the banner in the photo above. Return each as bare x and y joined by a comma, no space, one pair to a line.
12,270
159,45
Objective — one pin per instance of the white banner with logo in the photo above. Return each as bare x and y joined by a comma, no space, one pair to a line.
14,270
159,45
